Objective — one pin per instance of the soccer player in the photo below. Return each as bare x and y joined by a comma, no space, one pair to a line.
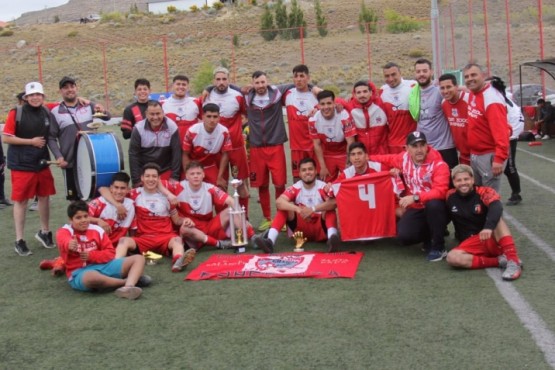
155,217
455,109
89,256
485,238
426,177
70,117
27,138
395,97
197,200
156,140
488,129
209,143
299,103
135,112
369,117
232,109
331,133
425,107
360,165
184,110
304,207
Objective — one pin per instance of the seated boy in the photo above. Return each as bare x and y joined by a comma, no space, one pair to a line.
89,257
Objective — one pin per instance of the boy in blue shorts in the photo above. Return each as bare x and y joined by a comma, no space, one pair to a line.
89,256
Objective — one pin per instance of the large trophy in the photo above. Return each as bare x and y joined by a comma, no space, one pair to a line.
238,220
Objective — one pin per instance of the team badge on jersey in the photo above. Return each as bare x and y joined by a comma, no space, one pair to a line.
454,112
477,209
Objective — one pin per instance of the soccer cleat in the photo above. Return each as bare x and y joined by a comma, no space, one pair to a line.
538,136
512,271
21,248
184,260
546,137
144,281
333,243
265,244
5,202
34,206
264,225
514,200
129,292
224,244
45,239
436,255
59,266
257,236
502,260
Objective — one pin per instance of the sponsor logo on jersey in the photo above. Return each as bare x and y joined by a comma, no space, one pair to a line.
454,209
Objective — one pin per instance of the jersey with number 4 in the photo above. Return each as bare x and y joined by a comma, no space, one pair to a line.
366,207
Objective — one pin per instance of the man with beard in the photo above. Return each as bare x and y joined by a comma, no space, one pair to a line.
485,238
184,110
304,207
488,129
425,107
395,97
232,109
70,117
135,112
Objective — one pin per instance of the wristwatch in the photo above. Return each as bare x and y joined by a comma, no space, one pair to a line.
416,198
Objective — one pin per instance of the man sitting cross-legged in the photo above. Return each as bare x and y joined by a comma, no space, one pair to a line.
197,200
89,256
485,238
304,207
154,216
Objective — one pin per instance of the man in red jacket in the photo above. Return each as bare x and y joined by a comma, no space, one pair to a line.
423,215
488,130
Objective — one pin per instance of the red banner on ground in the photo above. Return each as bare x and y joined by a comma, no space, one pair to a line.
283,265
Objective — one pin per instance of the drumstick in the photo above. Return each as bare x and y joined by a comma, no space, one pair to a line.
44,162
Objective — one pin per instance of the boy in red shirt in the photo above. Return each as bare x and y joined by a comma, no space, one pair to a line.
89,256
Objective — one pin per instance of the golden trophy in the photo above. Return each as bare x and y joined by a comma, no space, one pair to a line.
237,221
299,238
152,258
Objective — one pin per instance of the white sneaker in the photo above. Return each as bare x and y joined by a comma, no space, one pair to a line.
538,136
546,137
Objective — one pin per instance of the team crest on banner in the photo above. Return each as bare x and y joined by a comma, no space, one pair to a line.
284,264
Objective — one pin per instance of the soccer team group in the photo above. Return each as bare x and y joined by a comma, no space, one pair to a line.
442,148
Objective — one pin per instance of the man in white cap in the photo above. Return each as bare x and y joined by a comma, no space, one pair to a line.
26,132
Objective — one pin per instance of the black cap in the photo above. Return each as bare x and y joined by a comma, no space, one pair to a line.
415,137
66,80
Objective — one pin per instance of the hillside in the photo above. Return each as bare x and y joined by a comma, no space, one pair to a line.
134,47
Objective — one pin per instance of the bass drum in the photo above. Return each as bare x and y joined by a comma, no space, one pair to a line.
98,156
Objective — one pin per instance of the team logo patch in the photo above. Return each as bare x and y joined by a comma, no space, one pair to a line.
285,264
455,112
83,238
477,209
454,209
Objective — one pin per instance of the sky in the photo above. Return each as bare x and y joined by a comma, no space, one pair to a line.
11,9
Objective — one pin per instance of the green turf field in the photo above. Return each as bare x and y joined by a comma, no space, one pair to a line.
399,312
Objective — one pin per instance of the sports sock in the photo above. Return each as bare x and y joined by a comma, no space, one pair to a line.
331,231
279,190
480,262
508,247
244,202
174,258
264,194
279,220
250,231
273,234
210,241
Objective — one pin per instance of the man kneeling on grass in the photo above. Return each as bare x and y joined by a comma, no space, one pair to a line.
485,238
89,256
304,207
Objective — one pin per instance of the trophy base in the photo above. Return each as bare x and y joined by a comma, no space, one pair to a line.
240,250
297,250
150,262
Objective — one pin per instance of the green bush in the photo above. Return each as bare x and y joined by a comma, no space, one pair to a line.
296,20
203,77
416,53
281,20
56,19
321,22
72,33
205,6
217,5
6,33
336,90
235,40
397,23
194,8
267,27
367,16
171,9
112,17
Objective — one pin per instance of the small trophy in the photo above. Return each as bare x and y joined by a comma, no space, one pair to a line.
237,221
299,238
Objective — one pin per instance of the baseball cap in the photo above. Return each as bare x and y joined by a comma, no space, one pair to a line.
415,137
34,88
66,80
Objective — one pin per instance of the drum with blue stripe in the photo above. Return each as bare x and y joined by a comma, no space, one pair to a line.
98,156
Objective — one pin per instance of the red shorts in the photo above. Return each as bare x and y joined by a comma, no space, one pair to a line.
27,184
297,156
212,228
238,158
335,164
211,174
473,245
312,229
154,242
265,160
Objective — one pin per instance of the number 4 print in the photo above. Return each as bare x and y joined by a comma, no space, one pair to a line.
368,193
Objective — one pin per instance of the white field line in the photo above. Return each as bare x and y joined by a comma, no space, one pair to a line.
535,155
544,338
536,182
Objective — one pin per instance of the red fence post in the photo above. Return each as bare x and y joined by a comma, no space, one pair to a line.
509,51
39,60
540,24
486,35
453,37
368,50
301,32
233,73
166,67
470,27
105,71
